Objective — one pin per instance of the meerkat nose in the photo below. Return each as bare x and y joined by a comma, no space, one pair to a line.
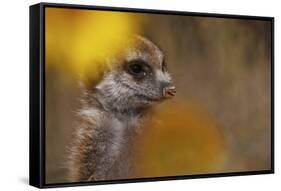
169,92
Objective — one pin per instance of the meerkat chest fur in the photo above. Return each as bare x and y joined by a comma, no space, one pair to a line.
111,136
117,129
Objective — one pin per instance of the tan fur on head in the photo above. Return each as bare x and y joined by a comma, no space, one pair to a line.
135,47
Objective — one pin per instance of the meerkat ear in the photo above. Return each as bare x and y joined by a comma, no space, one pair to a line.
87,85
83,89
81,85
86,90
92,76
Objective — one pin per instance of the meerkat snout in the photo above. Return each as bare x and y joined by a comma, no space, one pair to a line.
169,92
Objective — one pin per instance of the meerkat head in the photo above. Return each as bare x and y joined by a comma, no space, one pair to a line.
137,79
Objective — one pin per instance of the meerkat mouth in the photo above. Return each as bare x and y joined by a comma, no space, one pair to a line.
150,99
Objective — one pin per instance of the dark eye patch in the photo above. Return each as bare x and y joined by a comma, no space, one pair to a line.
164,66
138,68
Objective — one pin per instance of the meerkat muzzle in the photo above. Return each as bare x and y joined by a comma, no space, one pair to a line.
169,92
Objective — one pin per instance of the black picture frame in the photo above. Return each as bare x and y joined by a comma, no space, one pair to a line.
37,94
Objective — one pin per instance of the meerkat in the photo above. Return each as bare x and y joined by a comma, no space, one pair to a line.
114,109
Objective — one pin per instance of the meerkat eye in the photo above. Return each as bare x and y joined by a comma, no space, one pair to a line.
137,68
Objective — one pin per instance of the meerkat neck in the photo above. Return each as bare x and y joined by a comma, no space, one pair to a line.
120,110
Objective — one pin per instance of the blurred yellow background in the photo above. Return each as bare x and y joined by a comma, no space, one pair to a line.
77,39
218,122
